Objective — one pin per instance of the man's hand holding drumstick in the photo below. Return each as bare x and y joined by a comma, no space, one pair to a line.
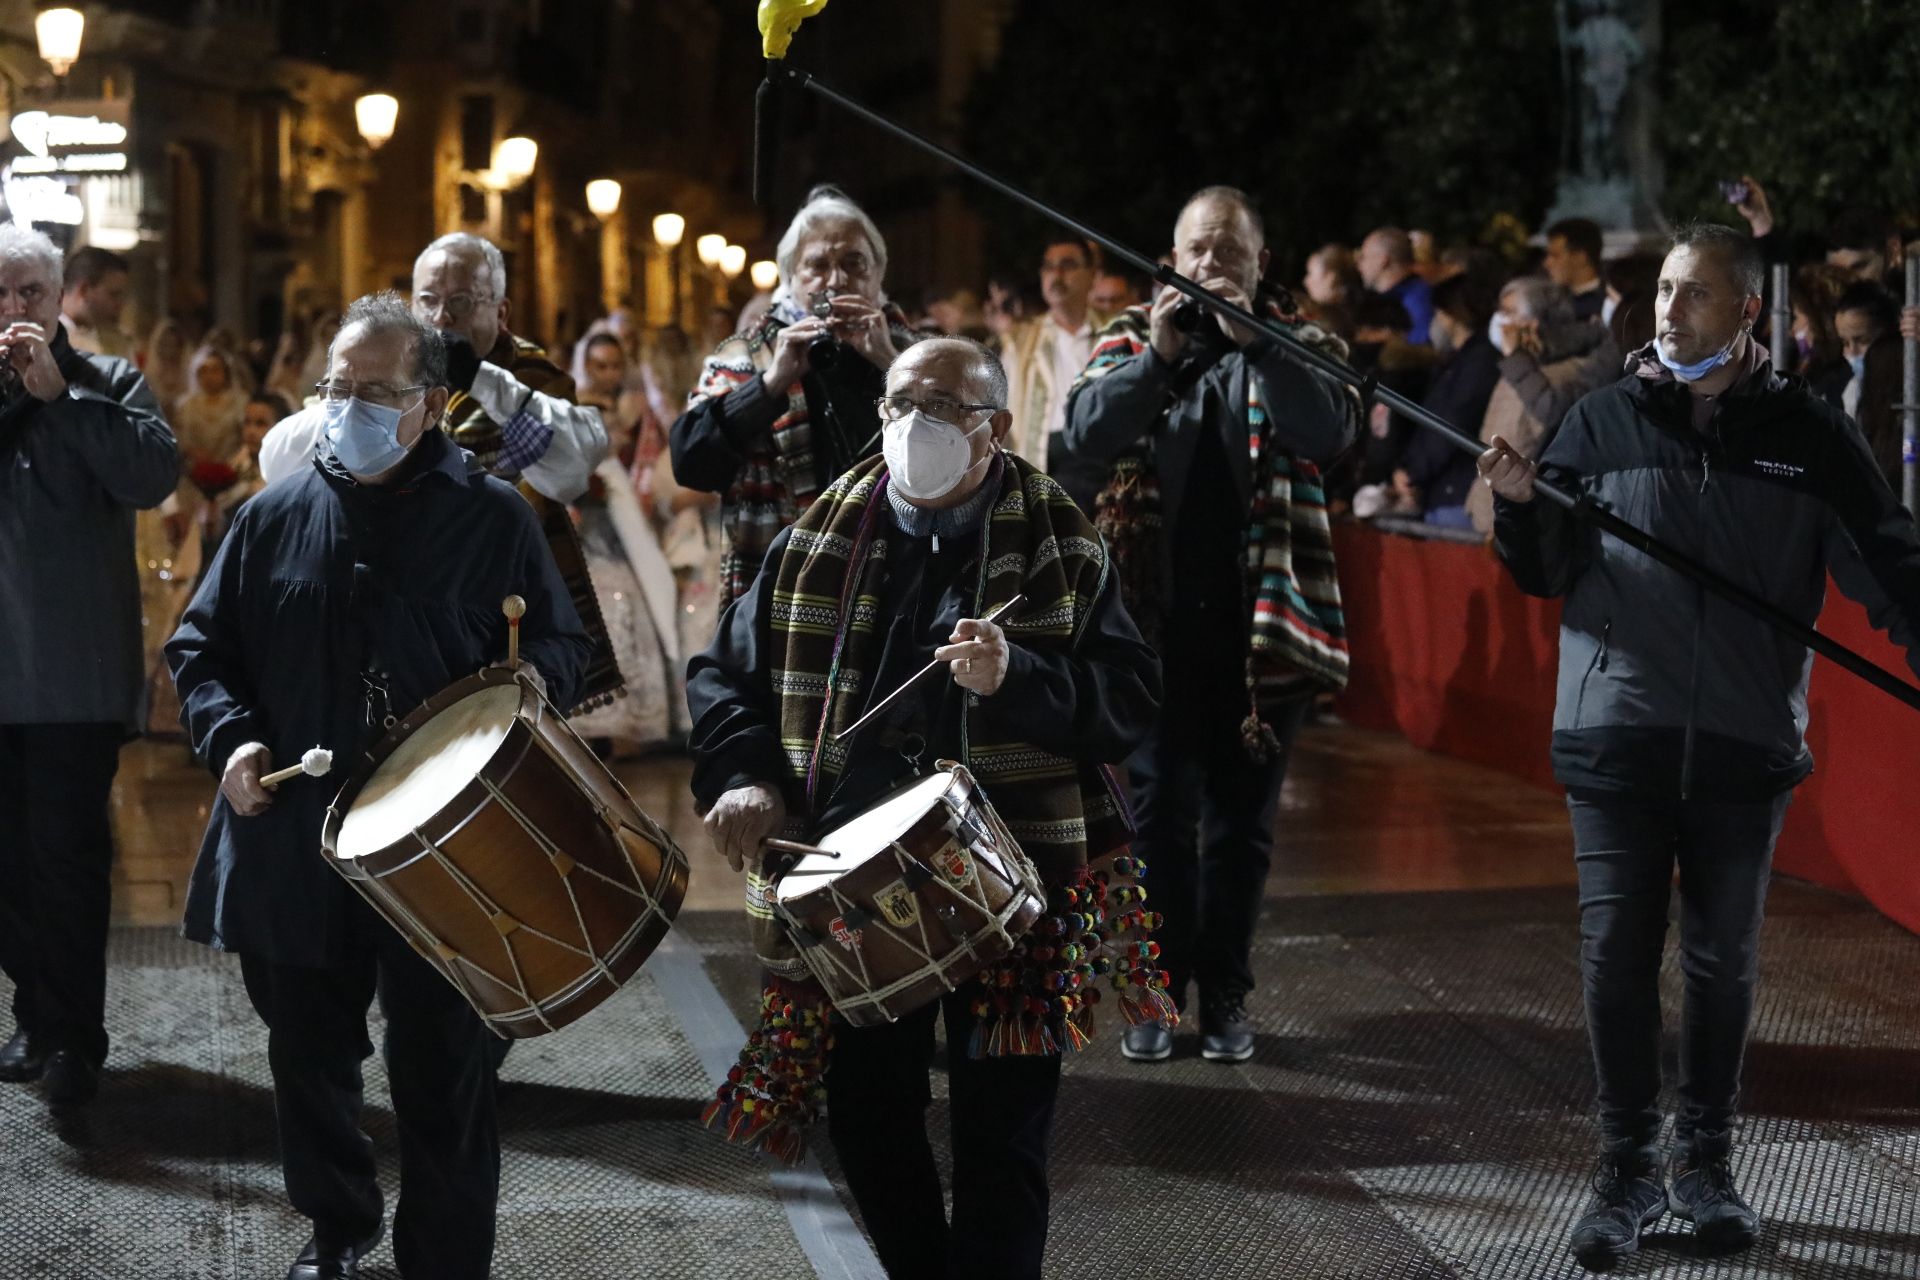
978,655
744,817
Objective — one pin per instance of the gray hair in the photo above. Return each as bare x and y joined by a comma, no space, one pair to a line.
22,243
1233,197
826,203
488,253
985,371
387,312
1736,248
1540,299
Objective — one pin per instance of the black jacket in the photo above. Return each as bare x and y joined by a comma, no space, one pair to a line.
1662,688
271,651
72,472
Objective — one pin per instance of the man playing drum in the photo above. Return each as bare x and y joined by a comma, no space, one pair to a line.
894,566
342,597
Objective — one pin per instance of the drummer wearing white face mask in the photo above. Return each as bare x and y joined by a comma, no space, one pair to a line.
344,594
893,568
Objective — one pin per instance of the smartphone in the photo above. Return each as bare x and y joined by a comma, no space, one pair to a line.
1735,190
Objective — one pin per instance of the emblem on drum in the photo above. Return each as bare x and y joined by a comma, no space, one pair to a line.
955,864
848,938
898,905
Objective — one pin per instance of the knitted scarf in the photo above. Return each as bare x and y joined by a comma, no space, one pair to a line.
779,479
1068,816
1297,631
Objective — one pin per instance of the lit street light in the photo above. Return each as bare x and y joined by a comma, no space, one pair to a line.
375,114
710,247
733,260
766,274
668,228
59,32
514,159
603,198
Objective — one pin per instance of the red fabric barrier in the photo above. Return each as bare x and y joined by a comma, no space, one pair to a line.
1449,653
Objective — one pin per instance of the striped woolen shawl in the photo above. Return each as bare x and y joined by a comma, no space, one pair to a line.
827,636
1296,626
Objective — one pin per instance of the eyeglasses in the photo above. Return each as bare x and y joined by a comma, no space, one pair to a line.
457,307
939,408
372,392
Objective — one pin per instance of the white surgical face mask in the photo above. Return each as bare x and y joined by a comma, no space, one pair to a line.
1607,308
927,458
1497,330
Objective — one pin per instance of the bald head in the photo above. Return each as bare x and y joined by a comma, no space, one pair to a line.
942,376
1219,236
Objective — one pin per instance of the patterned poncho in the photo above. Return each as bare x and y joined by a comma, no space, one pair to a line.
1066,814
1296,627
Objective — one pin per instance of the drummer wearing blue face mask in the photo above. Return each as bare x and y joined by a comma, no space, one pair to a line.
346,593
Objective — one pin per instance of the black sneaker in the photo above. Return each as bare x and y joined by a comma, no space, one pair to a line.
1627,1199
1147,1042
1225,1033
1702,1192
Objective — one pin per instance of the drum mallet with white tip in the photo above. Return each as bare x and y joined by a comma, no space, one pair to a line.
316,763
515,608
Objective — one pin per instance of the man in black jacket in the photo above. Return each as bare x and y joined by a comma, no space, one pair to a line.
82,444
1679,729
1218,415
341,596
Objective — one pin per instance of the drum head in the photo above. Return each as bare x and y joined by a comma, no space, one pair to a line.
865,836
427,770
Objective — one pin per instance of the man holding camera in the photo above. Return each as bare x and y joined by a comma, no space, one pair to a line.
1218,527
784,408
82,444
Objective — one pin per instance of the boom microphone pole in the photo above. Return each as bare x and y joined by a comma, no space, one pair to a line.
1583,505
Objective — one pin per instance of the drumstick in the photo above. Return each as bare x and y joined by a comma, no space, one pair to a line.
992,616
515,608
794,846
316,762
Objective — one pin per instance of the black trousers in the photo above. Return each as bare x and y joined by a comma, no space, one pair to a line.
1626,851
442,1085
1205,807
1002,1108
56,857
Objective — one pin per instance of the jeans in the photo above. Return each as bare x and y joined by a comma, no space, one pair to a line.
1205,808
1626,850
56,861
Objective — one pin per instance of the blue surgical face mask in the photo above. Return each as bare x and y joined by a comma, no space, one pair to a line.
366,437
1858,364
1699,368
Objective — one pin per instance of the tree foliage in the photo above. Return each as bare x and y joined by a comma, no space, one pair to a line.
1335,117
1444,114
1819,99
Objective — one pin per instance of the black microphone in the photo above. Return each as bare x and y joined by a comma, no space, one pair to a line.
766,138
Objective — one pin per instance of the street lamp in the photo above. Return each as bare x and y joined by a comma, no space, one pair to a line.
59,32
375,114
514,158
766,274
603,198
733,260
710,247
668,228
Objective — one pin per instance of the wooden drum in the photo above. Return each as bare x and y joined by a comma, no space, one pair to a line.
485,831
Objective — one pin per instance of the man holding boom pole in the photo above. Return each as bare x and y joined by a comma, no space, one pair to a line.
1679,729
